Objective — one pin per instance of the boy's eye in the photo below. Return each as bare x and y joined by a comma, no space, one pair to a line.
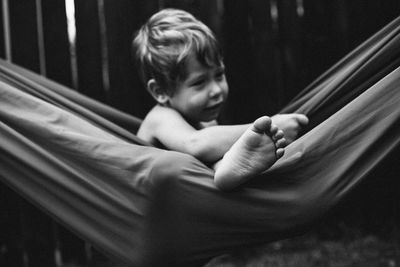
220,75
198,82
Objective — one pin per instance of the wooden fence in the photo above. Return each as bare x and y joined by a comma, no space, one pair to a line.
273,48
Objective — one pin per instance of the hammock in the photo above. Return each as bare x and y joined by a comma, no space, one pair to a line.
79,161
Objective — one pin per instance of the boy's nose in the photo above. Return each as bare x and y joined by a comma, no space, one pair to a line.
215,90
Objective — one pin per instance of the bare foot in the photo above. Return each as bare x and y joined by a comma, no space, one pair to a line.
290,124
254,152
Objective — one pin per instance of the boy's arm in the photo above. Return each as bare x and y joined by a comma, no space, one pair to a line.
211,143
208,144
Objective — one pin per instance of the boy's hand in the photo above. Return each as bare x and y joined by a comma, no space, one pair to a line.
290,124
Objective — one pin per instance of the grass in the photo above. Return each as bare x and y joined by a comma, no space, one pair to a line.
355,235
311,251
332,245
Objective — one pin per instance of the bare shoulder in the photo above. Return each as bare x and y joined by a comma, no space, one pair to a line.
160,115
157,118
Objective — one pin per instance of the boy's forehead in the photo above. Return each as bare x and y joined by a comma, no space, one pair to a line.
193,66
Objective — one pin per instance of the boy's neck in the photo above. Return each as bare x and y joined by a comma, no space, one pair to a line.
203,125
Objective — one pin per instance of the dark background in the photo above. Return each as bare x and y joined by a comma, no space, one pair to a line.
273,49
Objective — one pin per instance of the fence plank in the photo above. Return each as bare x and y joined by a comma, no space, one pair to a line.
324,36
367,17
88,49
123,17
24,34
3,25
290,50
10,235
267,57
242,20
36,235
58,64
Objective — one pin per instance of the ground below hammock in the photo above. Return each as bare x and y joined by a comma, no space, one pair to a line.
337,246
311,250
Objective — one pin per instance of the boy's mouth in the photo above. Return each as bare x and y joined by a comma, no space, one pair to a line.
214,107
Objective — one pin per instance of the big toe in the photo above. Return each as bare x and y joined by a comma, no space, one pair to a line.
302,119
262,124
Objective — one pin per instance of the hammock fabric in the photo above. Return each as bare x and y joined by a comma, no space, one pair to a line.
79,161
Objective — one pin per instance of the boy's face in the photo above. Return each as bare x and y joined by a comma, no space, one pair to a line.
200,96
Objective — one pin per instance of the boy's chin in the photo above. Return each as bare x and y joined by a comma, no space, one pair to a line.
210,118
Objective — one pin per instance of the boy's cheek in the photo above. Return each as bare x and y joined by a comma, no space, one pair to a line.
226,93
226,88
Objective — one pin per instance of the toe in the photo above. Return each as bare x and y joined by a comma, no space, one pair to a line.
273,130
278,135
262,124
280,152
281,143
302,119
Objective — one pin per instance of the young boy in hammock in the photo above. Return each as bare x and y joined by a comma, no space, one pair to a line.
182,67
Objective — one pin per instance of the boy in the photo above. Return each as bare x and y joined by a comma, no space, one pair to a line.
181,64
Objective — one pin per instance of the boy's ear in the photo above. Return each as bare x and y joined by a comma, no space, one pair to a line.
155,90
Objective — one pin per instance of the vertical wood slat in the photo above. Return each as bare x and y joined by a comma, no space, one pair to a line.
6,30
290,50
40,37
24,37
57,254
103,46
236,40
266,57
23,227
2,33
10,234
122,18
324,37
367,17
250,58
56,44
88,50
19,21
71,30
37,235
36,249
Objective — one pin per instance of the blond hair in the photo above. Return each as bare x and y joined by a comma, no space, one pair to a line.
166,40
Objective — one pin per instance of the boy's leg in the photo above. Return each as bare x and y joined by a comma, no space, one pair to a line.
255,151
